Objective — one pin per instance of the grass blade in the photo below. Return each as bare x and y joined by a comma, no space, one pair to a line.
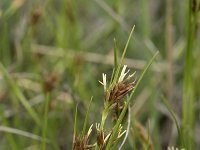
188,85
122,58
115,60
174,118
86,118
15,89
22,133
75,124
45,120
128,128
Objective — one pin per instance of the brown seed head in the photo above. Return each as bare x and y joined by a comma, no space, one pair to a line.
81,142
119,91
102,138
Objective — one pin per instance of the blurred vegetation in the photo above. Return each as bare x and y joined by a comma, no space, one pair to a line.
53,52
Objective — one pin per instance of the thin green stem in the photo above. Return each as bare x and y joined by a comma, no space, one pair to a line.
75,125
44,131
86,118
188,94
104,116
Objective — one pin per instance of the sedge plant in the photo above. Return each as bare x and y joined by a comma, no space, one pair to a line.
116,102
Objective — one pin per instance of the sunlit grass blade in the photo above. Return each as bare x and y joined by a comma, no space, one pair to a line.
116,127
44,131
149,139
143,135
167,104
15,89
127,129
75,125
86,118
22,133
188,83
9,137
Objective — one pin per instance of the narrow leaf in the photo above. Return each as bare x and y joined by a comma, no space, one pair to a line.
75,124
122,58
86,117
20,96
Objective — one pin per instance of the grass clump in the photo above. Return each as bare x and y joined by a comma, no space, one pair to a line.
117,101
52,54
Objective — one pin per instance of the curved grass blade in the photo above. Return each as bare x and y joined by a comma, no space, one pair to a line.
23,133
128,128
175,120
20,96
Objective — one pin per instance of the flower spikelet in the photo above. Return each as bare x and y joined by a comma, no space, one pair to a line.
119,89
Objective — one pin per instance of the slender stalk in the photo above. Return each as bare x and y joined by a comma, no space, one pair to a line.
168,47
9,137
175,119
145,18
75,125
128,128
169,57
46,106
86,118
188,95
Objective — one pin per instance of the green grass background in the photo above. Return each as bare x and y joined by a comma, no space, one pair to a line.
53,52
